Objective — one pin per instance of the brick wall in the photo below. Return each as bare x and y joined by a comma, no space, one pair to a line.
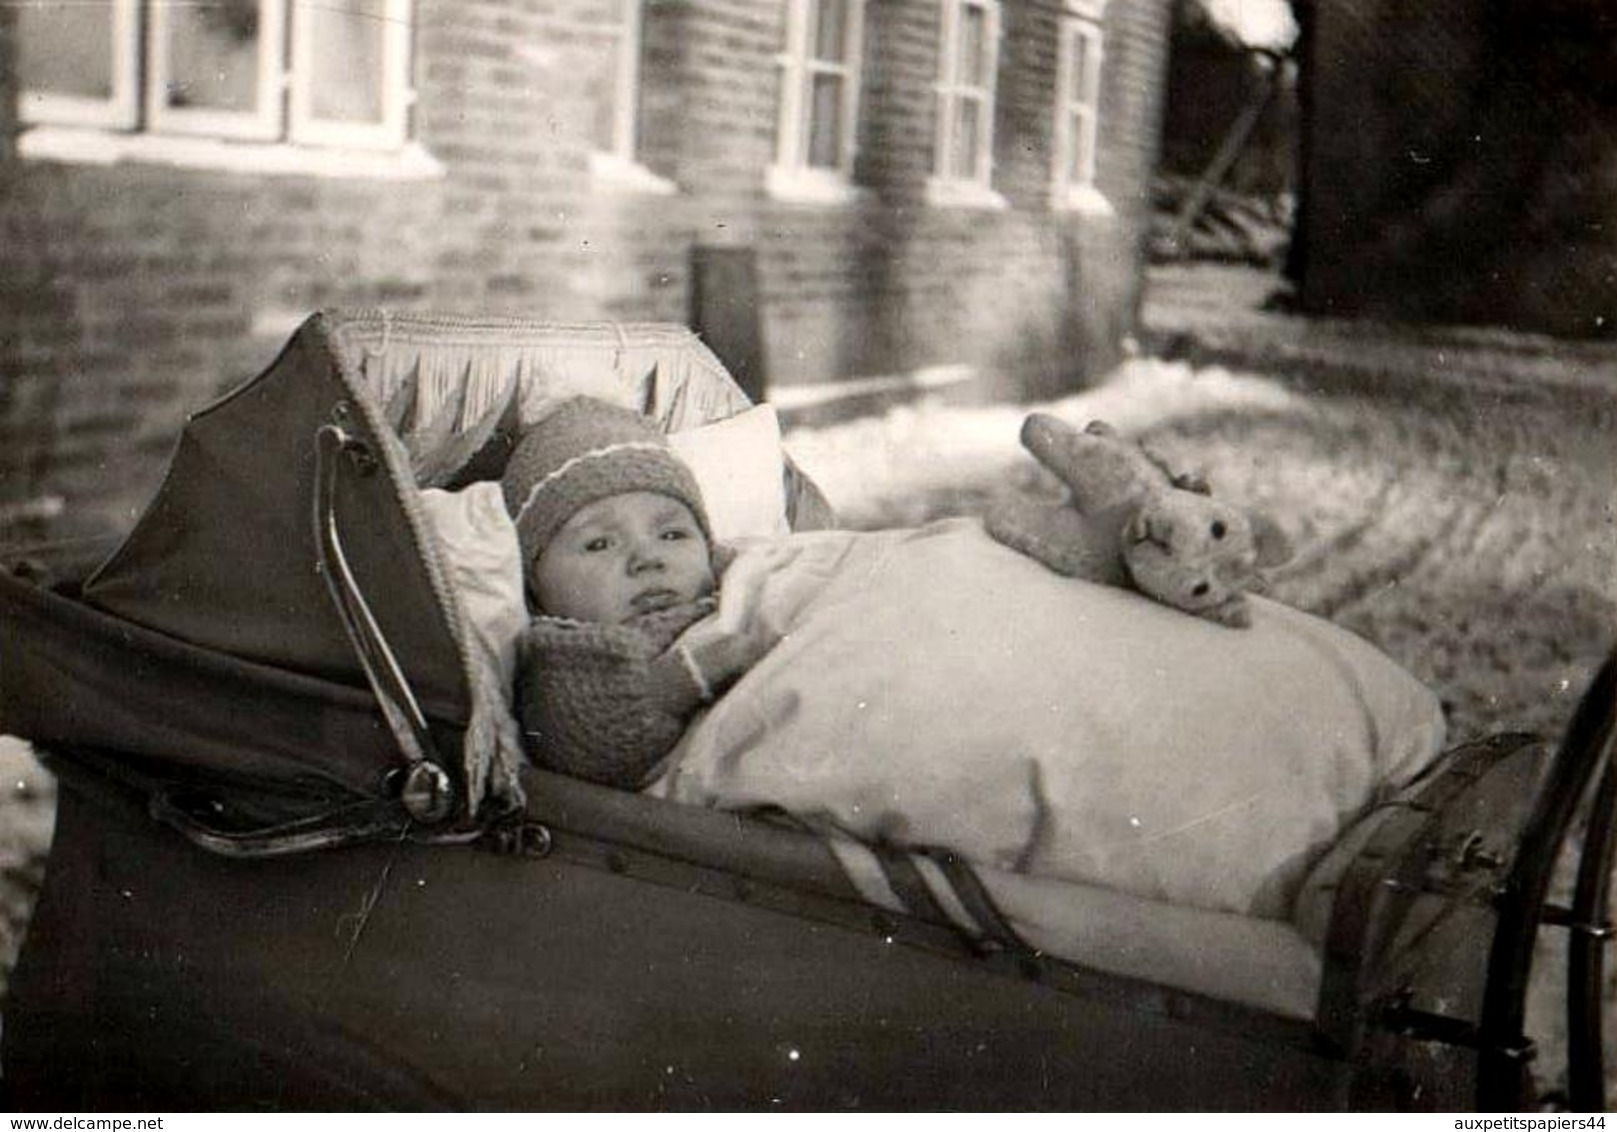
133,293
1459,159
8,78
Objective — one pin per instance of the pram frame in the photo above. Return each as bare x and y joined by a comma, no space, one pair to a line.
1370,1017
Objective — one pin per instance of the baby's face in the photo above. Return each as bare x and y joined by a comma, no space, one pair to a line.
621,557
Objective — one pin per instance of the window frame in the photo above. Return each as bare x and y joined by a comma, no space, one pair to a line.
1077,112
1080,20
791,175
946,186
121,109
398,91
266,123
618,167
135,118
630,33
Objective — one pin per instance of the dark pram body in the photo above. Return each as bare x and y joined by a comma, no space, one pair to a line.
315,920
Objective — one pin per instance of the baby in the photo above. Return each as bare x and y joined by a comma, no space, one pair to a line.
619,562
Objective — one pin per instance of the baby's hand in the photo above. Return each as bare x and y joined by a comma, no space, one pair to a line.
725,648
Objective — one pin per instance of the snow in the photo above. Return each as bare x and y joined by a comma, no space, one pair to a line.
1265,24
863,465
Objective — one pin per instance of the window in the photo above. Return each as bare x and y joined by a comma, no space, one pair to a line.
819,100
1077,110
351,72
309,73
969,65
77,63
614,89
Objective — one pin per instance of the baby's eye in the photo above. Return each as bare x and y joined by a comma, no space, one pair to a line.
1219,529
675,534
597,544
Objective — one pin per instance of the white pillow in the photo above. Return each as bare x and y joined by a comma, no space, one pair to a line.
477,545
483,561
738,465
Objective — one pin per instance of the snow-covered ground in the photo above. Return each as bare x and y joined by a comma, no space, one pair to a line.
872,469
27,810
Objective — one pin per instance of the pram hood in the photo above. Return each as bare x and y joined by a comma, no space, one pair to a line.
225,555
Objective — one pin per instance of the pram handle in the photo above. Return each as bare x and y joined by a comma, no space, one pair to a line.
425,788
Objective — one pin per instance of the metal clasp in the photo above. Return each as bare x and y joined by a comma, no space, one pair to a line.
520,839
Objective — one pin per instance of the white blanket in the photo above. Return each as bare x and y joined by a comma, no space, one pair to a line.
936,689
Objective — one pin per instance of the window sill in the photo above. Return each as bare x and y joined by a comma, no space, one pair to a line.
80,146
1085,200
619,174
944,192
811,187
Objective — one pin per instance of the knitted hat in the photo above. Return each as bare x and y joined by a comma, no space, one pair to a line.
586,449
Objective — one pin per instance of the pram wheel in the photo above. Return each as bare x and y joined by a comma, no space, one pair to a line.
1582,779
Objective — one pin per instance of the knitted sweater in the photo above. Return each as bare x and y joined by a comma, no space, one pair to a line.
607,702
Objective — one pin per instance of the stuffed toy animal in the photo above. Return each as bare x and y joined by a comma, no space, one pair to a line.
1130,522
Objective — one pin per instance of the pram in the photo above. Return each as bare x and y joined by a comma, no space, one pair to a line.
277,881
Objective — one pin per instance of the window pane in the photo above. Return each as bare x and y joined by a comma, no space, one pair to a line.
213,56
601,87
968,114
973,46
66,48
831,30
825,122
1080,63
1077,166
349,38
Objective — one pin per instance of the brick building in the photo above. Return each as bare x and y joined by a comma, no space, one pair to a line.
942,187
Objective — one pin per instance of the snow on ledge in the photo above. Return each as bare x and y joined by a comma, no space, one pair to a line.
787,397
619,174
1084,199
793,185
80,146
1263,24
951,192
